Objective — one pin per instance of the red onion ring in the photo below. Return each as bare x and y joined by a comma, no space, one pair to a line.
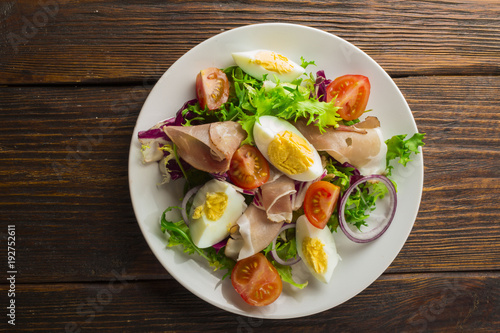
365,237
188,196
274,254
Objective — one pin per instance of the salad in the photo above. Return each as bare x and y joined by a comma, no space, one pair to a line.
275,160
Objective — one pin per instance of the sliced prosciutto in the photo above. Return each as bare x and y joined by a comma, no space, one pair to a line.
361,145
255,234
276,199
207,147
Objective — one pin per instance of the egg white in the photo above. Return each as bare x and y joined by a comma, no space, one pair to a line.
305,229
264,131
246,61
205,232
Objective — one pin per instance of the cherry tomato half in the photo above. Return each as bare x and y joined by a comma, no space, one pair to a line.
212,88
256,280
248,168
352,93
319,203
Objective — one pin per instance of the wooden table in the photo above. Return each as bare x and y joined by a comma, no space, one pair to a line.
81,263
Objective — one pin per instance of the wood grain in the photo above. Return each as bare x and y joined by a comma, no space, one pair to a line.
62,181
461,189
437,303
99,41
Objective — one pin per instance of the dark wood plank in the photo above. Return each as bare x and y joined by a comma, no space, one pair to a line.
106,40
461,194
75,221
64,182
393,303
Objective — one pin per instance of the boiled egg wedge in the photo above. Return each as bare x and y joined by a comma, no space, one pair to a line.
287,149
216,208
316,248
258,63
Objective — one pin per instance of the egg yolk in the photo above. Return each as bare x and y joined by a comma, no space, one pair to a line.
316,257
290,153
273,62
214,206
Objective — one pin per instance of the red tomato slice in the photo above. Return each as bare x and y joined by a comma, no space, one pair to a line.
352,93
248,168
212,88
319,203
256,280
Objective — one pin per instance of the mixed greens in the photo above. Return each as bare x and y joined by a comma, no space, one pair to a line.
248,100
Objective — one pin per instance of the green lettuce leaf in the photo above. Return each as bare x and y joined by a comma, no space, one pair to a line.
363,201
286,248
285,273
401,149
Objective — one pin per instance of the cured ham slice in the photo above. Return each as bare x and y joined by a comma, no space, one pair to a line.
361,145
276,199
207,147
369,122
255,234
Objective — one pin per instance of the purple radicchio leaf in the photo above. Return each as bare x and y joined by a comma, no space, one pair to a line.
220,245
181,119
320,86
356,175
173,167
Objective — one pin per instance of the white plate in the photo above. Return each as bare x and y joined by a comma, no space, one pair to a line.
361,264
